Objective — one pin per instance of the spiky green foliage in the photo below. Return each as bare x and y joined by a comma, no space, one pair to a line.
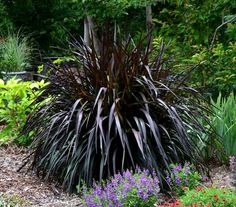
115,111
224,122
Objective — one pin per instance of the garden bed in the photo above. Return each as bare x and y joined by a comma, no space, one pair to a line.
38,193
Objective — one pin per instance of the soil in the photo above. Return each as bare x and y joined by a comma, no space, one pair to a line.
38,193
27,185
220,177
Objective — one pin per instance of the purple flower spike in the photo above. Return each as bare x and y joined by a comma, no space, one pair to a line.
204,178
177,180
168,179
187,169
177,168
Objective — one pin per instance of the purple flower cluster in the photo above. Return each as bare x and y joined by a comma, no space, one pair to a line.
184,176
179,175
139,185
204,178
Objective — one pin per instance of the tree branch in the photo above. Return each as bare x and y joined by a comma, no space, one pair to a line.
218,28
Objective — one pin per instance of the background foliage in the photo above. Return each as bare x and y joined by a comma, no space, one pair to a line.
5,20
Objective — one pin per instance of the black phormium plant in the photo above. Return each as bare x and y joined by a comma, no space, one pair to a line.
115,111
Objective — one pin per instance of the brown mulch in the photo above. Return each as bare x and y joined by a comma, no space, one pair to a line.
38,193
220,177
28,186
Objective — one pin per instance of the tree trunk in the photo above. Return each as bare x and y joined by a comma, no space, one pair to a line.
149,24
86,32
90,33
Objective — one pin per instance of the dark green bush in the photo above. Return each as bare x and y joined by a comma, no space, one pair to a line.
5,21
117,110
50,22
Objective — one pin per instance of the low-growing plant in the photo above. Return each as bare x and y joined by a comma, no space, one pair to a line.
12,201
183,178
208,197
127,189
171,204
116,110
16,98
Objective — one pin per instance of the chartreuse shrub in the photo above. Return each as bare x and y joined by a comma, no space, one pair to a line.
207,197
127,189
117,110
16,98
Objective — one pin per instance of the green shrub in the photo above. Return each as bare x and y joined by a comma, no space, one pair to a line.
15,100
15,53
217,73
207,197
115,111
214,70
231,31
